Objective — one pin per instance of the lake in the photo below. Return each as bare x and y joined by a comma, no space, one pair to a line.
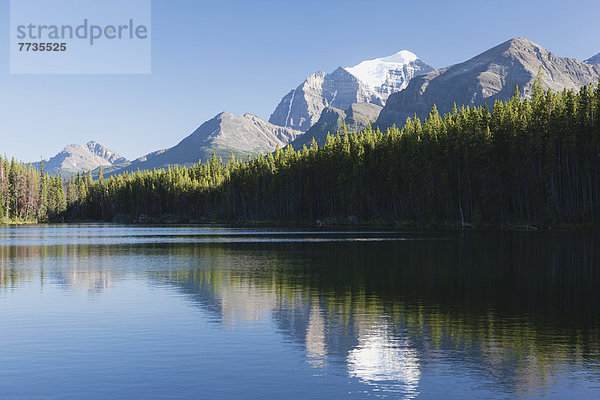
97,311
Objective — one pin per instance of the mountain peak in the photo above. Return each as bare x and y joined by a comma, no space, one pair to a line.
401,57
522,41
485,78
375,72
224,114
371,81
78,157
512,46
593,60
223,135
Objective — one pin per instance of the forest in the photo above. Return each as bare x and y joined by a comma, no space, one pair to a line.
533,161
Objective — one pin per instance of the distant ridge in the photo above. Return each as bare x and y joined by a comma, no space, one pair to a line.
79,158
223,135
357,117
490,76
594,60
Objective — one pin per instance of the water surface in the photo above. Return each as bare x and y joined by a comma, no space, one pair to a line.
105,311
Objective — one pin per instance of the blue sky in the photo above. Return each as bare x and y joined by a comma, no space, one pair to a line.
243,56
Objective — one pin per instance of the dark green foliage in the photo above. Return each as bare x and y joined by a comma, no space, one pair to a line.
29,195
529,161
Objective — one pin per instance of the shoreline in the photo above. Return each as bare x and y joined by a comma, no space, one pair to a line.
326,224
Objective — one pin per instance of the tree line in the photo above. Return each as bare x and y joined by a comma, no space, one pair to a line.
30,195
530,161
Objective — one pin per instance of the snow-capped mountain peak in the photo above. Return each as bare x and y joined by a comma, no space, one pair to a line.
371,81
402,57
375,73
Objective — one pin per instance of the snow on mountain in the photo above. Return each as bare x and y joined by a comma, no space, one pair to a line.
371,81
376,72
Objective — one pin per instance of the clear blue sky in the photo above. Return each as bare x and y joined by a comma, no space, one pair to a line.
243,56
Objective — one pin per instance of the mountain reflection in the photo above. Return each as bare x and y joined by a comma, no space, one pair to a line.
315,338
384,360
513,308
92,282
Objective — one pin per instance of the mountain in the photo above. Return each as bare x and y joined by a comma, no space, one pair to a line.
223,135
490,76
108,171
78,158
149,156
357,117
593,60
371,81
391,74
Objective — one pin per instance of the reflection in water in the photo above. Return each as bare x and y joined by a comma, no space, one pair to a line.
94,282
242,302
384,360
315,338
516,313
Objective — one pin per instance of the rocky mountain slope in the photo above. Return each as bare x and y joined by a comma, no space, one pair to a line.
78,158
593,60
223,135
371,81
490,76
357,117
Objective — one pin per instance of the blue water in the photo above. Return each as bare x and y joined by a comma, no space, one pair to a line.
106,311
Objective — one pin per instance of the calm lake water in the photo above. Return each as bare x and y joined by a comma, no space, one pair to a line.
105,311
